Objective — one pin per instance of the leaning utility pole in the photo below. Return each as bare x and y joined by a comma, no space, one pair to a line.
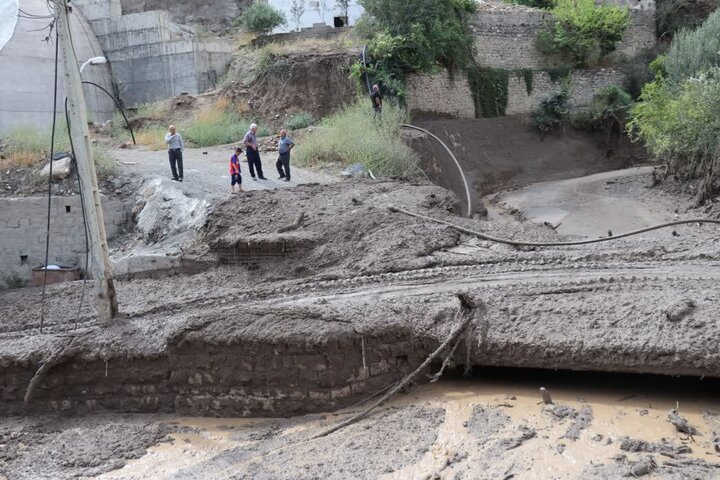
101,270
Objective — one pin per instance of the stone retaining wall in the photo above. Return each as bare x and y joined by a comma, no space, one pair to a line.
23,223
439,94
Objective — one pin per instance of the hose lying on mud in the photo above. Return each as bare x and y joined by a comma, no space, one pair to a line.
468,197
521,243
467,306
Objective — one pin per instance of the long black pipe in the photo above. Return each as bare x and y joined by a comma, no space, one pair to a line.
117,104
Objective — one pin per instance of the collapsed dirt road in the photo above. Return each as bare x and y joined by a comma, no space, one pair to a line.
321,296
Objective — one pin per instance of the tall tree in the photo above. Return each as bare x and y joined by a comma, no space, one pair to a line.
344,7
297,10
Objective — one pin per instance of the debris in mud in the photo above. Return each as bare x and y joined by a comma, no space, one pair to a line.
486,422
679,310
681,423
581,421
525,434
546,398
48,447
664,447
560,412
644,466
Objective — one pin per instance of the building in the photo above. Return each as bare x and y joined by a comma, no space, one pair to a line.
315,12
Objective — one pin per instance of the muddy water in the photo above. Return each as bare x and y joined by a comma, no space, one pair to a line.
461,450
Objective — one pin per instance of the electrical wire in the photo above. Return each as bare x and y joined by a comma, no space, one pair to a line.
84,214
49,201
117,104
522,243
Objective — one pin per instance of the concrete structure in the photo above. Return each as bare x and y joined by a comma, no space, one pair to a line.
153,58
317,12
23,223
27,66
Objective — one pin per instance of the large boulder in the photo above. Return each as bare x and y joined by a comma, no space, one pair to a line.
62,167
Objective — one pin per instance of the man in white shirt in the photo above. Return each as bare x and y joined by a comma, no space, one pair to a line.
175,145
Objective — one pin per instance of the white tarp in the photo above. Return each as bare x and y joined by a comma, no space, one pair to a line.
8,20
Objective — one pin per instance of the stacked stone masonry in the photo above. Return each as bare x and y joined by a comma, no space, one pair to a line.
439,94
23,223
243,378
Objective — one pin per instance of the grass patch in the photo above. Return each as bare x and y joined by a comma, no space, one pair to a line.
299,120
356,135
27,146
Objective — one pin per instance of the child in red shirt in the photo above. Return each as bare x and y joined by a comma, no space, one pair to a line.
235,176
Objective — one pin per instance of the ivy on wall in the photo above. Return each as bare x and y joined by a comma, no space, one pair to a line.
489,88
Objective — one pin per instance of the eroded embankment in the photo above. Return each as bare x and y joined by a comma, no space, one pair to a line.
358,303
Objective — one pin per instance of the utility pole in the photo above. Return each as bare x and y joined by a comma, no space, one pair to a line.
80,134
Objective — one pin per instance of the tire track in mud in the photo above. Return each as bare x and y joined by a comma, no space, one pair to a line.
555,276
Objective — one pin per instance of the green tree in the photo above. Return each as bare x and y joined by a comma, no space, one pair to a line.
419,36
583,30
262,18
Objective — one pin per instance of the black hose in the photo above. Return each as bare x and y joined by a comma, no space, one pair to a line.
521,243
117,104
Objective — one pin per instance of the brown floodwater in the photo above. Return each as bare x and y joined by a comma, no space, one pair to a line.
622,406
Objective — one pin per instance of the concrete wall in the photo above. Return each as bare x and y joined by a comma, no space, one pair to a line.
27,65
438,94
315,14
507,39
153,58
23,223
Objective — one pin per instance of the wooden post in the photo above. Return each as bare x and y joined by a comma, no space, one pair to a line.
99,254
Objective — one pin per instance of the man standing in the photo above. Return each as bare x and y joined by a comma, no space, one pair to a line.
284,146
253,154
376,100
175,145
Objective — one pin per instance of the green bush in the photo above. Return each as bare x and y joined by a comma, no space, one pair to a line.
583,31
553,111
261,17
694,51
299,120
357,135
680,125
607,111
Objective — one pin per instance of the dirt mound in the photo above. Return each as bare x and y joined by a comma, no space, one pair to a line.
288,84
346,227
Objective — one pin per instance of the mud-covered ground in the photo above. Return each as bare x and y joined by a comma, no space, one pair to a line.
483,428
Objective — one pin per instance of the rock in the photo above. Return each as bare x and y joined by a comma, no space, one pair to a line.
679,310
124,145
61,168
681,423
644,466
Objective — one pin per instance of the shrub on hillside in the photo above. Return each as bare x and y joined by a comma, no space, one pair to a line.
678,115
607,111
299,120
680,125
583,30
261,17
553,111
357,135
694,51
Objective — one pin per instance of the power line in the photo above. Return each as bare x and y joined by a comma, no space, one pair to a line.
50,179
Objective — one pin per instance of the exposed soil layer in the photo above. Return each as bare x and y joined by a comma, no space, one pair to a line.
363,302
317,84
509,152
